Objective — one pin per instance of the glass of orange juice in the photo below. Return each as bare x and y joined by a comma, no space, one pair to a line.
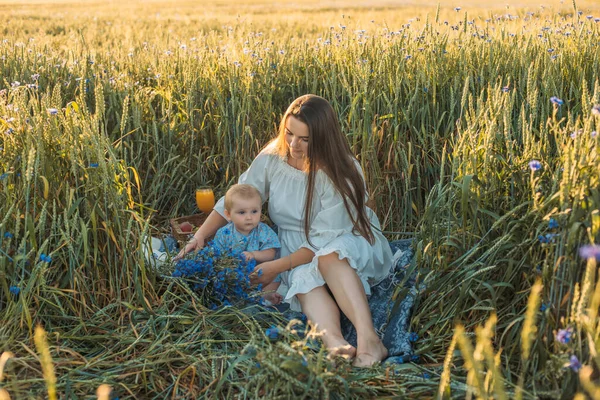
205,199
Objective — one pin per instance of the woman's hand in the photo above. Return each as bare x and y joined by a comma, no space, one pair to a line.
264,273
194,244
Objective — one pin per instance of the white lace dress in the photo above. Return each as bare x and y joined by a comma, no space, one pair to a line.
331,227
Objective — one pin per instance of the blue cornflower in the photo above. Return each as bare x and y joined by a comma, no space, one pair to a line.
538,269
596,109
544,307
15,290
272,332
590,251
45,258
407,57
426,375
8,235
457,9
413,337
52,111
574,363
506,89
552,224
93,165
564,335
556,101
3,176
547,238
550,50
414,358
534,165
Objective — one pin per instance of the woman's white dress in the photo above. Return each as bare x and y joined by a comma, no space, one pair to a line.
330,230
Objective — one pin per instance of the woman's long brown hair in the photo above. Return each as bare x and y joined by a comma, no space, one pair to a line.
328,150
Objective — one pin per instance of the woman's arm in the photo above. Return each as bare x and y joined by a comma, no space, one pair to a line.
272,268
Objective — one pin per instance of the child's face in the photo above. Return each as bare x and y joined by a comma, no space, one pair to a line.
245,213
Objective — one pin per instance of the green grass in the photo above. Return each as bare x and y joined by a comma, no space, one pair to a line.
152,103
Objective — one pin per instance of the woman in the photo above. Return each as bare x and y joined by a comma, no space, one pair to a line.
309,170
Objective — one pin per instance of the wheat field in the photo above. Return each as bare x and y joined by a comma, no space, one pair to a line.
476,125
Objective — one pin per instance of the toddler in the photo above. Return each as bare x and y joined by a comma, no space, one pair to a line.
245,234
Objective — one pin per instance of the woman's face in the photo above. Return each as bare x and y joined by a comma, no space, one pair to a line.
296,136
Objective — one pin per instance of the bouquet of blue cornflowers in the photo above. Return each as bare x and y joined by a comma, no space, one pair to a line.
219,277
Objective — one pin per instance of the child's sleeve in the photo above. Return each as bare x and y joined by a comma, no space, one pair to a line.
268,238
220,239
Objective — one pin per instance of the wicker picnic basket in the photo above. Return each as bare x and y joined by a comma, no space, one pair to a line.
195,220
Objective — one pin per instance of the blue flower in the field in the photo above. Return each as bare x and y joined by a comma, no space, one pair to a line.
8,235
413,337
52,111
556,101
550,50
457,9
594,134
506,89
15,290
590,251
564,335
574,363
544,307
534,165
45,258
272,332
552,224
547,238
426,375
596,109
93,165
3,176
407,57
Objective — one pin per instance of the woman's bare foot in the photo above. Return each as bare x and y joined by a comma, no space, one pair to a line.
339,347
370,352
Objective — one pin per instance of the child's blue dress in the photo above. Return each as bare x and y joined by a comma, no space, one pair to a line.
228,239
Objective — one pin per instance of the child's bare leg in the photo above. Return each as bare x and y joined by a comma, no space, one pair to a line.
272,296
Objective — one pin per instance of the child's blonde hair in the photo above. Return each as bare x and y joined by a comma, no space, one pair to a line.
242,190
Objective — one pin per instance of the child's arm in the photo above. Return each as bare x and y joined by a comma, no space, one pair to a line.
260,255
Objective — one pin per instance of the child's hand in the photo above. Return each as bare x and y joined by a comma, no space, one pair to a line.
249,255
193,244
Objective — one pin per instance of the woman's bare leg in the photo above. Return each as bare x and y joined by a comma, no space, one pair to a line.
321,309
349,293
